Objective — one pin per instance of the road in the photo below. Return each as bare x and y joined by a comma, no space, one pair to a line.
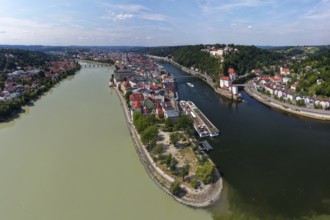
315,113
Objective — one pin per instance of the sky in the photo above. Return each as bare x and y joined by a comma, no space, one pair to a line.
164,22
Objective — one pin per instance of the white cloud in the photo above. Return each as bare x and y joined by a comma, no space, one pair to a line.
250,26
127,8
2,32
320,11
226,6
117,17
153,17
241,4
123,16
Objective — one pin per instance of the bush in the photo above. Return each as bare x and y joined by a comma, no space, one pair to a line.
193,182
175,188
158,149
205,172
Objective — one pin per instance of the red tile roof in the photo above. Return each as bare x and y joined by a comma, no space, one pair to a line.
136,97
154,87
137,105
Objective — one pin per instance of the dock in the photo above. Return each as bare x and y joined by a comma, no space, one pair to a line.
205,146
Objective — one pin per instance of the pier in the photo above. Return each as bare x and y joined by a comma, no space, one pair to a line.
205,146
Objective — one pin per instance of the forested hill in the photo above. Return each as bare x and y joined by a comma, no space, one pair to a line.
10,59
189,56
315,74
246,58
242,58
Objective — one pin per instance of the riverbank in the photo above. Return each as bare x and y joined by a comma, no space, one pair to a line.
193,198
296,110
10,109
205,78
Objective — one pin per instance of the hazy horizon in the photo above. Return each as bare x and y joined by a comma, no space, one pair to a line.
165,23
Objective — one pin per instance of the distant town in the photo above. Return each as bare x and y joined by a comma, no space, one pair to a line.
25,75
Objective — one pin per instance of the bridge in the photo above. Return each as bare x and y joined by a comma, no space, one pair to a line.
240,85
179,77
93,65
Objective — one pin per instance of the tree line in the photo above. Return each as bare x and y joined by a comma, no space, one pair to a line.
243,59
11,59
190,56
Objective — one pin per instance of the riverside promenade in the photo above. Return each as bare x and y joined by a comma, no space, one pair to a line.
292,109
201,198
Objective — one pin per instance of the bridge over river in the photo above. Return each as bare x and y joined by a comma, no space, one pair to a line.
94,65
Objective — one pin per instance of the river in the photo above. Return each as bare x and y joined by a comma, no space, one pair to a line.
70,157
274,165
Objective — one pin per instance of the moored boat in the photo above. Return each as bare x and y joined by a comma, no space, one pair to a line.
201,124
190,84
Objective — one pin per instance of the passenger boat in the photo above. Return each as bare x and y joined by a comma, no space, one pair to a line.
202,125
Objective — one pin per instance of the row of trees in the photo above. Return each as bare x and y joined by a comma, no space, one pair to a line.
184,124
145,126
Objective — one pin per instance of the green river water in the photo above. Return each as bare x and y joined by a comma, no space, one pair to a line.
70,156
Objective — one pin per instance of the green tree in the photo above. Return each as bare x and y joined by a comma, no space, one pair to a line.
158,149
300,102
185,122
174,138
184,171
173,164
175,188
168,125
149,134
205,172
193,182
141,124
167,160
137,115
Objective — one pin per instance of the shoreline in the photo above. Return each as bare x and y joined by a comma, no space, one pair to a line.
280,107
207,79
287,110
193,198
17,112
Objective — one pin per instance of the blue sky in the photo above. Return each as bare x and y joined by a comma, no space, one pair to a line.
165,22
